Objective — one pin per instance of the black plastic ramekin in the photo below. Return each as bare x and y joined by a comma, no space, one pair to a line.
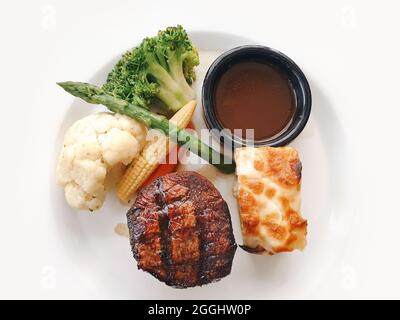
266,55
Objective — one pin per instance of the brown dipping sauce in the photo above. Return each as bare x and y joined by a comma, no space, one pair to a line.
254,95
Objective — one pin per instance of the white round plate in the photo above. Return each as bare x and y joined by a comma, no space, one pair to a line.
100,262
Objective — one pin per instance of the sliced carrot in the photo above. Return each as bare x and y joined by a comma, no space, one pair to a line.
170,164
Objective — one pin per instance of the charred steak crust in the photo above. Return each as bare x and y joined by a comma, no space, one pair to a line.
181,231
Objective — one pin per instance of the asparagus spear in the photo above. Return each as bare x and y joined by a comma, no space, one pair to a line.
93,94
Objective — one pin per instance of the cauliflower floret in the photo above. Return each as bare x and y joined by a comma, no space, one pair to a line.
92,147
118,146
77,198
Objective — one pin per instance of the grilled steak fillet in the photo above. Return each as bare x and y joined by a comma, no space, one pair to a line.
181,231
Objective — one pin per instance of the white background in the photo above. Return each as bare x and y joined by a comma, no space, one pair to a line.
350,50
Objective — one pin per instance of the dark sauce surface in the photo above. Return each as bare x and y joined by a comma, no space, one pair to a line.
253,95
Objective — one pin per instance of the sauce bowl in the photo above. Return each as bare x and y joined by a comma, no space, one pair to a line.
274,58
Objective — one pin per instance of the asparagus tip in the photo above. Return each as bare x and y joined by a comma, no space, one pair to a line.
63,84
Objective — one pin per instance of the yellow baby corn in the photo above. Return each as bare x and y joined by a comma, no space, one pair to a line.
152,154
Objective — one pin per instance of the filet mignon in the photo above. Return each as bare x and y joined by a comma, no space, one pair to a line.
181,231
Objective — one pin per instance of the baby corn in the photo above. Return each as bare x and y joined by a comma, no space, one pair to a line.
151,156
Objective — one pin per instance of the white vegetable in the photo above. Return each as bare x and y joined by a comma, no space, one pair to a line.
92,146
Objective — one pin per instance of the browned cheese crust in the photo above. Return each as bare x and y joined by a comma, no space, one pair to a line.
181,231
269,181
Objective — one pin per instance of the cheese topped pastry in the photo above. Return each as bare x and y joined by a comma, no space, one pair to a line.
268,193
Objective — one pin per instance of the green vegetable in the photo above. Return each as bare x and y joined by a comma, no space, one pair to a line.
159,69
96,95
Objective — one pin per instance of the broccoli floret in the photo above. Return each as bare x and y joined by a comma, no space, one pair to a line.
159,69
